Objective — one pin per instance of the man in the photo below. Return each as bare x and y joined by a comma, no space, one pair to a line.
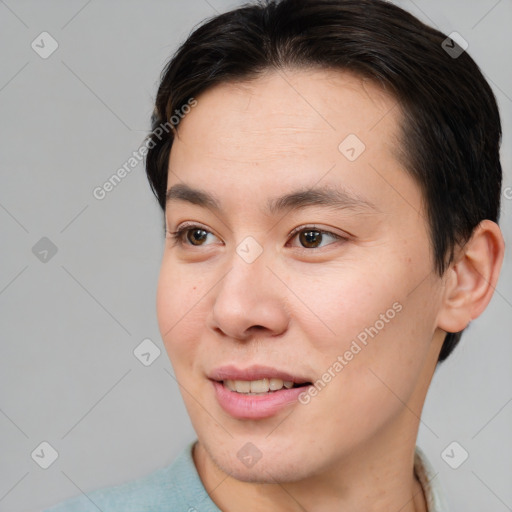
330,179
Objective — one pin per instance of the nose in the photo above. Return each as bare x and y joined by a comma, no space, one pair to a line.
249,301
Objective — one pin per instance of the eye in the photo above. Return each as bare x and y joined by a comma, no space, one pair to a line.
313,238
309,237
190,235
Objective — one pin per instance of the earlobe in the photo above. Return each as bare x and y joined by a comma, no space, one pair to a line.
471,279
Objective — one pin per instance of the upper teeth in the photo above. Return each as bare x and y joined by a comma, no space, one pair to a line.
257,386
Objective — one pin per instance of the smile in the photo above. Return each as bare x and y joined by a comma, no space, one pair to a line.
257,392
258,387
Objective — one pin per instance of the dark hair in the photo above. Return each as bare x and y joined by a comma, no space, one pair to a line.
451,130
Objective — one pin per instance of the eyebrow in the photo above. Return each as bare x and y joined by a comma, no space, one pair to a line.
331,197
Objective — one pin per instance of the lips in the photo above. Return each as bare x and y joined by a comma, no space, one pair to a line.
254,373
256,392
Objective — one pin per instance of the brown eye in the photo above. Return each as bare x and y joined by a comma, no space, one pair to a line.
310,238
191,235
197,236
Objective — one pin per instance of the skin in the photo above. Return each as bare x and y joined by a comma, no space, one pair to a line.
298,308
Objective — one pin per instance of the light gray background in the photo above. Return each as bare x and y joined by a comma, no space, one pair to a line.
68,375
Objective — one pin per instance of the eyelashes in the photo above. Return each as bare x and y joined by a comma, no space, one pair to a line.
193,235
178,236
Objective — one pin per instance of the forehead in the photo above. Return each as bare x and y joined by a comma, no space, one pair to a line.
294,127
292,109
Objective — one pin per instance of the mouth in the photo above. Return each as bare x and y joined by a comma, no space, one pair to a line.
257,392
261,386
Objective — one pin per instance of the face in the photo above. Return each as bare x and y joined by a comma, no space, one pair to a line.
297,299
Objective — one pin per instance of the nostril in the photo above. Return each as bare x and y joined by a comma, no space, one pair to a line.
256,328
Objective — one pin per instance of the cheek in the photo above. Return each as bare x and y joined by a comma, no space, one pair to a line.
374,319
177,303
372,364
344,300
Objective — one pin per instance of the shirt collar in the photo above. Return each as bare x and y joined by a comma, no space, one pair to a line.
429,480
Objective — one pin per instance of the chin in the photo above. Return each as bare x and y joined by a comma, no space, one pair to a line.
276,464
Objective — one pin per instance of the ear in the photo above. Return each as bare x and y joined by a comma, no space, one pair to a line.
471,279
